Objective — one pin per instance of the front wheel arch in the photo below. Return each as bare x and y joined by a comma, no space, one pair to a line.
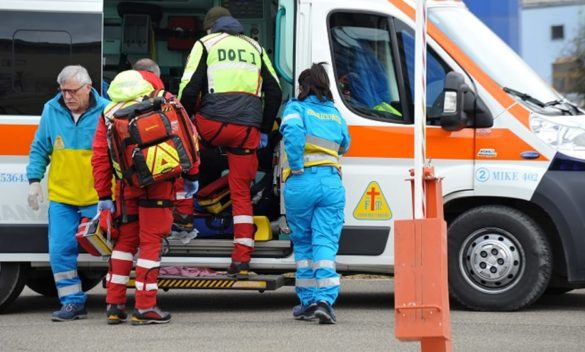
499,259
12,276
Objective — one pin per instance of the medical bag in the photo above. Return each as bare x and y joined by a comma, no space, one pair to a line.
95,235
213,225
151,141
222,226
214,197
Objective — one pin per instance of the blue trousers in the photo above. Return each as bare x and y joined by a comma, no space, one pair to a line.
314,203
63,222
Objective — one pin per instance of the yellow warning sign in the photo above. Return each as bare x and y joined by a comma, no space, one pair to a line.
372,205
162,158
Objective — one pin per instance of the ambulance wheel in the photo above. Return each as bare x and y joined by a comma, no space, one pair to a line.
11,282
41,281
499,259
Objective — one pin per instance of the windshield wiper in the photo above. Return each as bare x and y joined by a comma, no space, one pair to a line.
572,110
524,96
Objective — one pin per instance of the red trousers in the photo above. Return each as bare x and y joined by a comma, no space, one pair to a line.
242,171
183,206
149,219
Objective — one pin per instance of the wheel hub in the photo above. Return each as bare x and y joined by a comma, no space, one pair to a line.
492,261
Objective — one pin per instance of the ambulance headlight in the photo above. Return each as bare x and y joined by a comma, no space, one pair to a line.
564,133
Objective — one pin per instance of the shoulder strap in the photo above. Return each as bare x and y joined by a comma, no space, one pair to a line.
203,45
109,113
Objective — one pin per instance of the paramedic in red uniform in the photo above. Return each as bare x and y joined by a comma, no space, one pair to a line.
183,210
144,214
230,71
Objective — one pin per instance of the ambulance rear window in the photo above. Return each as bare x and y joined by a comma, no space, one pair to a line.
35,46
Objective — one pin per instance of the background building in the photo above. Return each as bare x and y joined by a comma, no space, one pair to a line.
502,16
548,29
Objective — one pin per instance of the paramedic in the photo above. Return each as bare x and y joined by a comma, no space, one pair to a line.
231,71
315,135
183,206
63,139
144,215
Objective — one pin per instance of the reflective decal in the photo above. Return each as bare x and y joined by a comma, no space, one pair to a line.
373,204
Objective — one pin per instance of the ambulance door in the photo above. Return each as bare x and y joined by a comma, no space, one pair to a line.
371,65
361,53
450,152
37,39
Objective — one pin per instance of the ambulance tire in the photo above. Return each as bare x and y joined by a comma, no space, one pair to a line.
41,281
11,282
499,259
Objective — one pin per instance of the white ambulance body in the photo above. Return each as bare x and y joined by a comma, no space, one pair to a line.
510,150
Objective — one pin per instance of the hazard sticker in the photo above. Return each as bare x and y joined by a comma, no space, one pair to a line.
373,204
162,158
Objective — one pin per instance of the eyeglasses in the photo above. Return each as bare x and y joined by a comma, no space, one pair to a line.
70,91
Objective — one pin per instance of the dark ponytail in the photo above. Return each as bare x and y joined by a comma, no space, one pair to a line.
314,81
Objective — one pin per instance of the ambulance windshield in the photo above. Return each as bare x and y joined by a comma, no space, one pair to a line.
489,52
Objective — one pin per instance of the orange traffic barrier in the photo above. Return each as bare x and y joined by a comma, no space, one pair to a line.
421,293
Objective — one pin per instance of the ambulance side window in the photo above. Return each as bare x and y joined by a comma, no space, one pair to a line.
364,66
34,48
437,69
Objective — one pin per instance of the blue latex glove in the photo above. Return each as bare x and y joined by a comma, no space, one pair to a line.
263,140
106,204
190,188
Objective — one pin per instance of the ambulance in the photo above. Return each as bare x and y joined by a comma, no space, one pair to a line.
509,149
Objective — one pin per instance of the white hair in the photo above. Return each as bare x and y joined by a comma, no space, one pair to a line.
74,73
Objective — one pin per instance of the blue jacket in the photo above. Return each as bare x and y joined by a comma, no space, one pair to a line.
67,146
314,133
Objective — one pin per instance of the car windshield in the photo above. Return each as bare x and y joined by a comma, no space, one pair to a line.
489,52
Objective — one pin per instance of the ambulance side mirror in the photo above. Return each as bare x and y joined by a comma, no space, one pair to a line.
461,107
456,92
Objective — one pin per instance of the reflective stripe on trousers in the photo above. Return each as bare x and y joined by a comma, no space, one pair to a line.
242,172
153,224
316,220
63,222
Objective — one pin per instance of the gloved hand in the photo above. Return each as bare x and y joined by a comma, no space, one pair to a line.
263,140
190,188
35,195
106,204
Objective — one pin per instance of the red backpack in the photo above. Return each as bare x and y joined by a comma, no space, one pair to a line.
151,141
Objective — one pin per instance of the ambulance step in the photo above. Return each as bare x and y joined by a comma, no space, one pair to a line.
223,248
220,282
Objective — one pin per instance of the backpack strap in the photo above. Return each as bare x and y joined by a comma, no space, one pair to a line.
109,113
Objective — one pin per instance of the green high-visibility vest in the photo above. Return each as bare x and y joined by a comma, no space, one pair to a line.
233,65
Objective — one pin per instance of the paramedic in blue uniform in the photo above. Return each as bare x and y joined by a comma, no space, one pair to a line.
315,136
64,139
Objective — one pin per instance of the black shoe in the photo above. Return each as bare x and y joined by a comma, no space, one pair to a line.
325,313
150,316
302,312
182,222
238,270
116,314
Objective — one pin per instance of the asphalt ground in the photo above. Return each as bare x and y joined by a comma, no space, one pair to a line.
214,320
